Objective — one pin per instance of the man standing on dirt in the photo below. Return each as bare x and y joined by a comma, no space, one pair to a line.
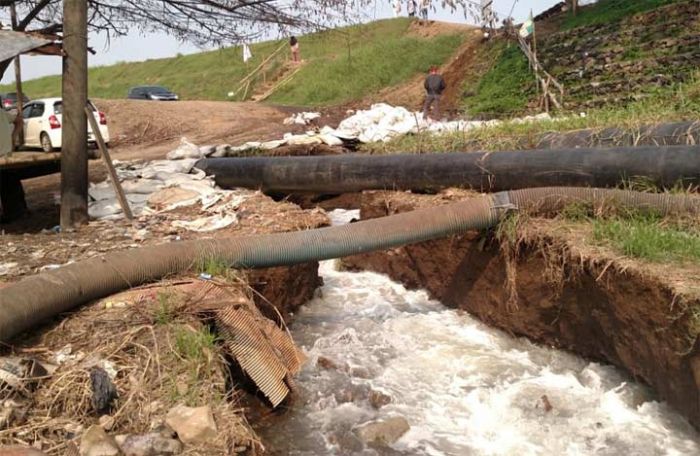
434,86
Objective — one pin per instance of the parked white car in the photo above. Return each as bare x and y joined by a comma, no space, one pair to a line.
43,124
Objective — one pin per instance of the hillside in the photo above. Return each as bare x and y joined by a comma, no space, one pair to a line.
612,55
340,65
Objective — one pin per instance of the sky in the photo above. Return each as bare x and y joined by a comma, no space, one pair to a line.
159,45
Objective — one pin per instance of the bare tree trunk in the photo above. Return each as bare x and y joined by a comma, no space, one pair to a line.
74,165
18,134
574,6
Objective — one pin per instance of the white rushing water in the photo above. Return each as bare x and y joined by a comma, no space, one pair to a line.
464,388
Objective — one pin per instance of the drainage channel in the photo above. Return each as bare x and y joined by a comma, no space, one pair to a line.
379,352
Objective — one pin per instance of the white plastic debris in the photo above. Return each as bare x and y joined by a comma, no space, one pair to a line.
302,118
380,123
207,224
7,268
185,150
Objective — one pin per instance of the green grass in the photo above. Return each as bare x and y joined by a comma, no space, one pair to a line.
342,64
607,11
166,307
505,89
650,238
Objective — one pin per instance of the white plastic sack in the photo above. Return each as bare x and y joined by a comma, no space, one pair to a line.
185,150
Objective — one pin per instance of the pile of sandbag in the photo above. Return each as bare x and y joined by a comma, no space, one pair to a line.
163,186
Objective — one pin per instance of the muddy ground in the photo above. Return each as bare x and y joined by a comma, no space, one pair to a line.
557,287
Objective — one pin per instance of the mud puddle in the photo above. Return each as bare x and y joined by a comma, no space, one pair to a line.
463,387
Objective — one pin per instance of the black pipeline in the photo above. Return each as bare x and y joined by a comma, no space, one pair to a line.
484,171
34,299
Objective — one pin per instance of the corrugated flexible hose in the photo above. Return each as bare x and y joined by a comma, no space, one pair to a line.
37,298
484,171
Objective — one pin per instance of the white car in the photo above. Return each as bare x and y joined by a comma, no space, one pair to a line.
43,124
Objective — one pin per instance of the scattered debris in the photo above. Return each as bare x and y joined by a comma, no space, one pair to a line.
383,432
192,425
302,118
19,376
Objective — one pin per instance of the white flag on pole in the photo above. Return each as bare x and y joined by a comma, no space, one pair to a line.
247,55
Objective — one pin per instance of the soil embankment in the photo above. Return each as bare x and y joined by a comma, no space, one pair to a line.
552,286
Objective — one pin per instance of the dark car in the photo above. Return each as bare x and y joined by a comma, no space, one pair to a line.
156,93
9,100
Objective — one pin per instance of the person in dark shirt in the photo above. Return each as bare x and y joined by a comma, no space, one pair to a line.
294,46
434,86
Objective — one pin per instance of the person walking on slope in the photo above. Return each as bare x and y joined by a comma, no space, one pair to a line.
294,47
411,7
397,8
424,5
434,86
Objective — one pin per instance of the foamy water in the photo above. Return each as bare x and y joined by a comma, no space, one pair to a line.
463,387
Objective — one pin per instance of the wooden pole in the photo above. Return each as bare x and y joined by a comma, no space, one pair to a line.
123,202
74,157
19,121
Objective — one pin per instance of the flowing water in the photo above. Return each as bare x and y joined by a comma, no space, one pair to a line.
464,388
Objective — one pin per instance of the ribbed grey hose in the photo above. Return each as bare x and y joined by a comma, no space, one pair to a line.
37,298
483,171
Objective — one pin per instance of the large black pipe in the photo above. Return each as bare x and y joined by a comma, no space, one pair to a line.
484,171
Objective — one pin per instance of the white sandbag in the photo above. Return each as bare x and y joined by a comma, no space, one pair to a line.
172,198
185,150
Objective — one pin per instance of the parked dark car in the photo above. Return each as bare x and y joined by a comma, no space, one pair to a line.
9,100
156,93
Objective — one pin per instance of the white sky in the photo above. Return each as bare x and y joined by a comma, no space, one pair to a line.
137,46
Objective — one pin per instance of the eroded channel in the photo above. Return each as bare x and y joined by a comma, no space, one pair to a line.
464,388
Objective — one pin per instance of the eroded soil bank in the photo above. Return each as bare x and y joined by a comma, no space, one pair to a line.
558,289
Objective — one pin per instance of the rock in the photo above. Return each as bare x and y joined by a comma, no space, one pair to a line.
193,425
96,442
104,392
20,451
383,432
325,363
377,399
153,444
106,422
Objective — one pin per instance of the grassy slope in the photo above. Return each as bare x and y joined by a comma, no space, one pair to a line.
506,88
380,55
363,60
